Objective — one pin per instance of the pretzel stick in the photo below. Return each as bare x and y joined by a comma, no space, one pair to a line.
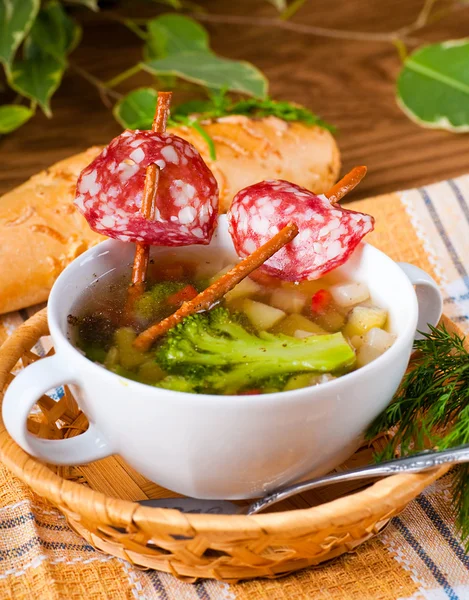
152,174
142,251
216,291
346,184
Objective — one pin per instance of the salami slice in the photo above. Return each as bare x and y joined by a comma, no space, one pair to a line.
110,190
328,233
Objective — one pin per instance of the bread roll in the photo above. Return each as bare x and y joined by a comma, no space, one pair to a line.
251,150
41,232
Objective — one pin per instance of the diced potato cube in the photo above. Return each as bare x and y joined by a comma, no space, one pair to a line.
362,318
112,357
291,301
367,354
379,338
332,320
129,357
296,322
368,303
349,294
246,287
221,273
261,315
356,341
375,342
150,371
301,333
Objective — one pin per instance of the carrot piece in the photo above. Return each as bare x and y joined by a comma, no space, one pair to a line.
219,288
346,184
321,301
187,293
250,392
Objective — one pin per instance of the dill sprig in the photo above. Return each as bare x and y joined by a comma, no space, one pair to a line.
219,104
431,410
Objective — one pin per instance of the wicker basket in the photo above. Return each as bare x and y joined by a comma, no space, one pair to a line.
99,502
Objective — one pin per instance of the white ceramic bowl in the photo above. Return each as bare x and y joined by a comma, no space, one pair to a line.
219,446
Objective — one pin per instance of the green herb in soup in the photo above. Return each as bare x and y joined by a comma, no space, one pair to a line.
265,335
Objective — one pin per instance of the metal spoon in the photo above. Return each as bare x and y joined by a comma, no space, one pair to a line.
417,463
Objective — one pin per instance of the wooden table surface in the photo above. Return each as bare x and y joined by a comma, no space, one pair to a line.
348,83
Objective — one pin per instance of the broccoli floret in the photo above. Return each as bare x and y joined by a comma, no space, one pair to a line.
218,339
151,304
222,382
239,377
177,383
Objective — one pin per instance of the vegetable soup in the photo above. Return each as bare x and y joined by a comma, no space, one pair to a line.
264,336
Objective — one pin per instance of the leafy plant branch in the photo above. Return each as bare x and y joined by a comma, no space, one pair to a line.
425,16
38,38
105,90
302,28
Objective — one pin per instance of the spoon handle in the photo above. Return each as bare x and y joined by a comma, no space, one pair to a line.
417,463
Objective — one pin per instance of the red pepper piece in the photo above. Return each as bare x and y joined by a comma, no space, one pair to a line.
321,301
251,392
187,293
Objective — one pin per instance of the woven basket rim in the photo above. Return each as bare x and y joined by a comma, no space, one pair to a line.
378,499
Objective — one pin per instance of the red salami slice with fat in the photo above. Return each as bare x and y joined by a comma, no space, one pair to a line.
328,234
110,189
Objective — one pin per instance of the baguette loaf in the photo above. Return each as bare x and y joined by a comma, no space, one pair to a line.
251,150
41,232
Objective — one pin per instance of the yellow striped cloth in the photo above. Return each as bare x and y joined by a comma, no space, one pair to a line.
417,557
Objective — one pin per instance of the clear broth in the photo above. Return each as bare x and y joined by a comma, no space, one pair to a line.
100,329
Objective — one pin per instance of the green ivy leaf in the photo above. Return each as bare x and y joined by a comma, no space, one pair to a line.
55,32
209,70
13,116
433,86
179,46
172,34
37,76
192,107
16,19
137,109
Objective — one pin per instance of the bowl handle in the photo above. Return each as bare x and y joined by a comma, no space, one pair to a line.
429,298
23,393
